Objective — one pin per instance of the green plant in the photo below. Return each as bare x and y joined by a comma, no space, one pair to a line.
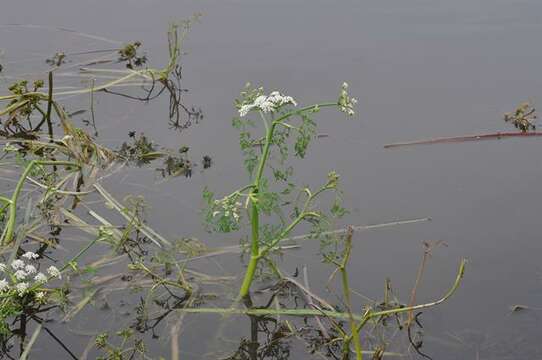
523,117
130,347
7,235
21,287
281,120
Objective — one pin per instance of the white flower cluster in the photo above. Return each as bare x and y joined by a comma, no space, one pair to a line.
228,207
346,103
267,104
22,276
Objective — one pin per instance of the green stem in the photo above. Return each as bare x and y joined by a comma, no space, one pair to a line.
283,234
254,244
346,291
69,263
79,254
254,252
255,225
370,314
328,313
255,216
303,109
5,199
265,154
7,236
249,276
294,223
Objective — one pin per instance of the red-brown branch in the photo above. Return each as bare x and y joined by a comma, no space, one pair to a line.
455,139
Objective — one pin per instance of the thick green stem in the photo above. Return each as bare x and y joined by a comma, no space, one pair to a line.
255,218
352,321
7,236
347,298
254,251
249,276
255,225
265,154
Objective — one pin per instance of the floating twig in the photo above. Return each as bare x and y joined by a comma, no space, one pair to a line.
458,139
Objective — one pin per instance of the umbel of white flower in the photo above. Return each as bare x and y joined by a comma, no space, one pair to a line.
346,103
275,100
228,207
30,255
267,104
17,264
21,288
54,272
40,278
21,277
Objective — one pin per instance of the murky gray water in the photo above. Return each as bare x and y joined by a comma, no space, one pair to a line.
420,69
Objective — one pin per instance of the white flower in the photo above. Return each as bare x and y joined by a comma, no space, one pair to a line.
4,285
30,255
215,213
260,100
40,295
2,267
30,269
21,288
20,274
40,278
279,99
244,110
53,271
346,103
17,264
267,104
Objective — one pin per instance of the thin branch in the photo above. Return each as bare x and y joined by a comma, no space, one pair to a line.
465,138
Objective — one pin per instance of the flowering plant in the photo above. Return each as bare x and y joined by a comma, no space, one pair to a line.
21,285
282,119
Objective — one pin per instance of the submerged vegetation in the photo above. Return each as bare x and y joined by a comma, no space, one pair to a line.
57,170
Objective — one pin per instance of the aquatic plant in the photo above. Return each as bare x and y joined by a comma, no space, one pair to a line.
278,114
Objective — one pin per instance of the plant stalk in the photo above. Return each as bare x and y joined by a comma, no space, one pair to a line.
256,253
7,236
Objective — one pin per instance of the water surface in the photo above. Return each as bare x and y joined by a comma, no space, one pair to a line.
419,68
